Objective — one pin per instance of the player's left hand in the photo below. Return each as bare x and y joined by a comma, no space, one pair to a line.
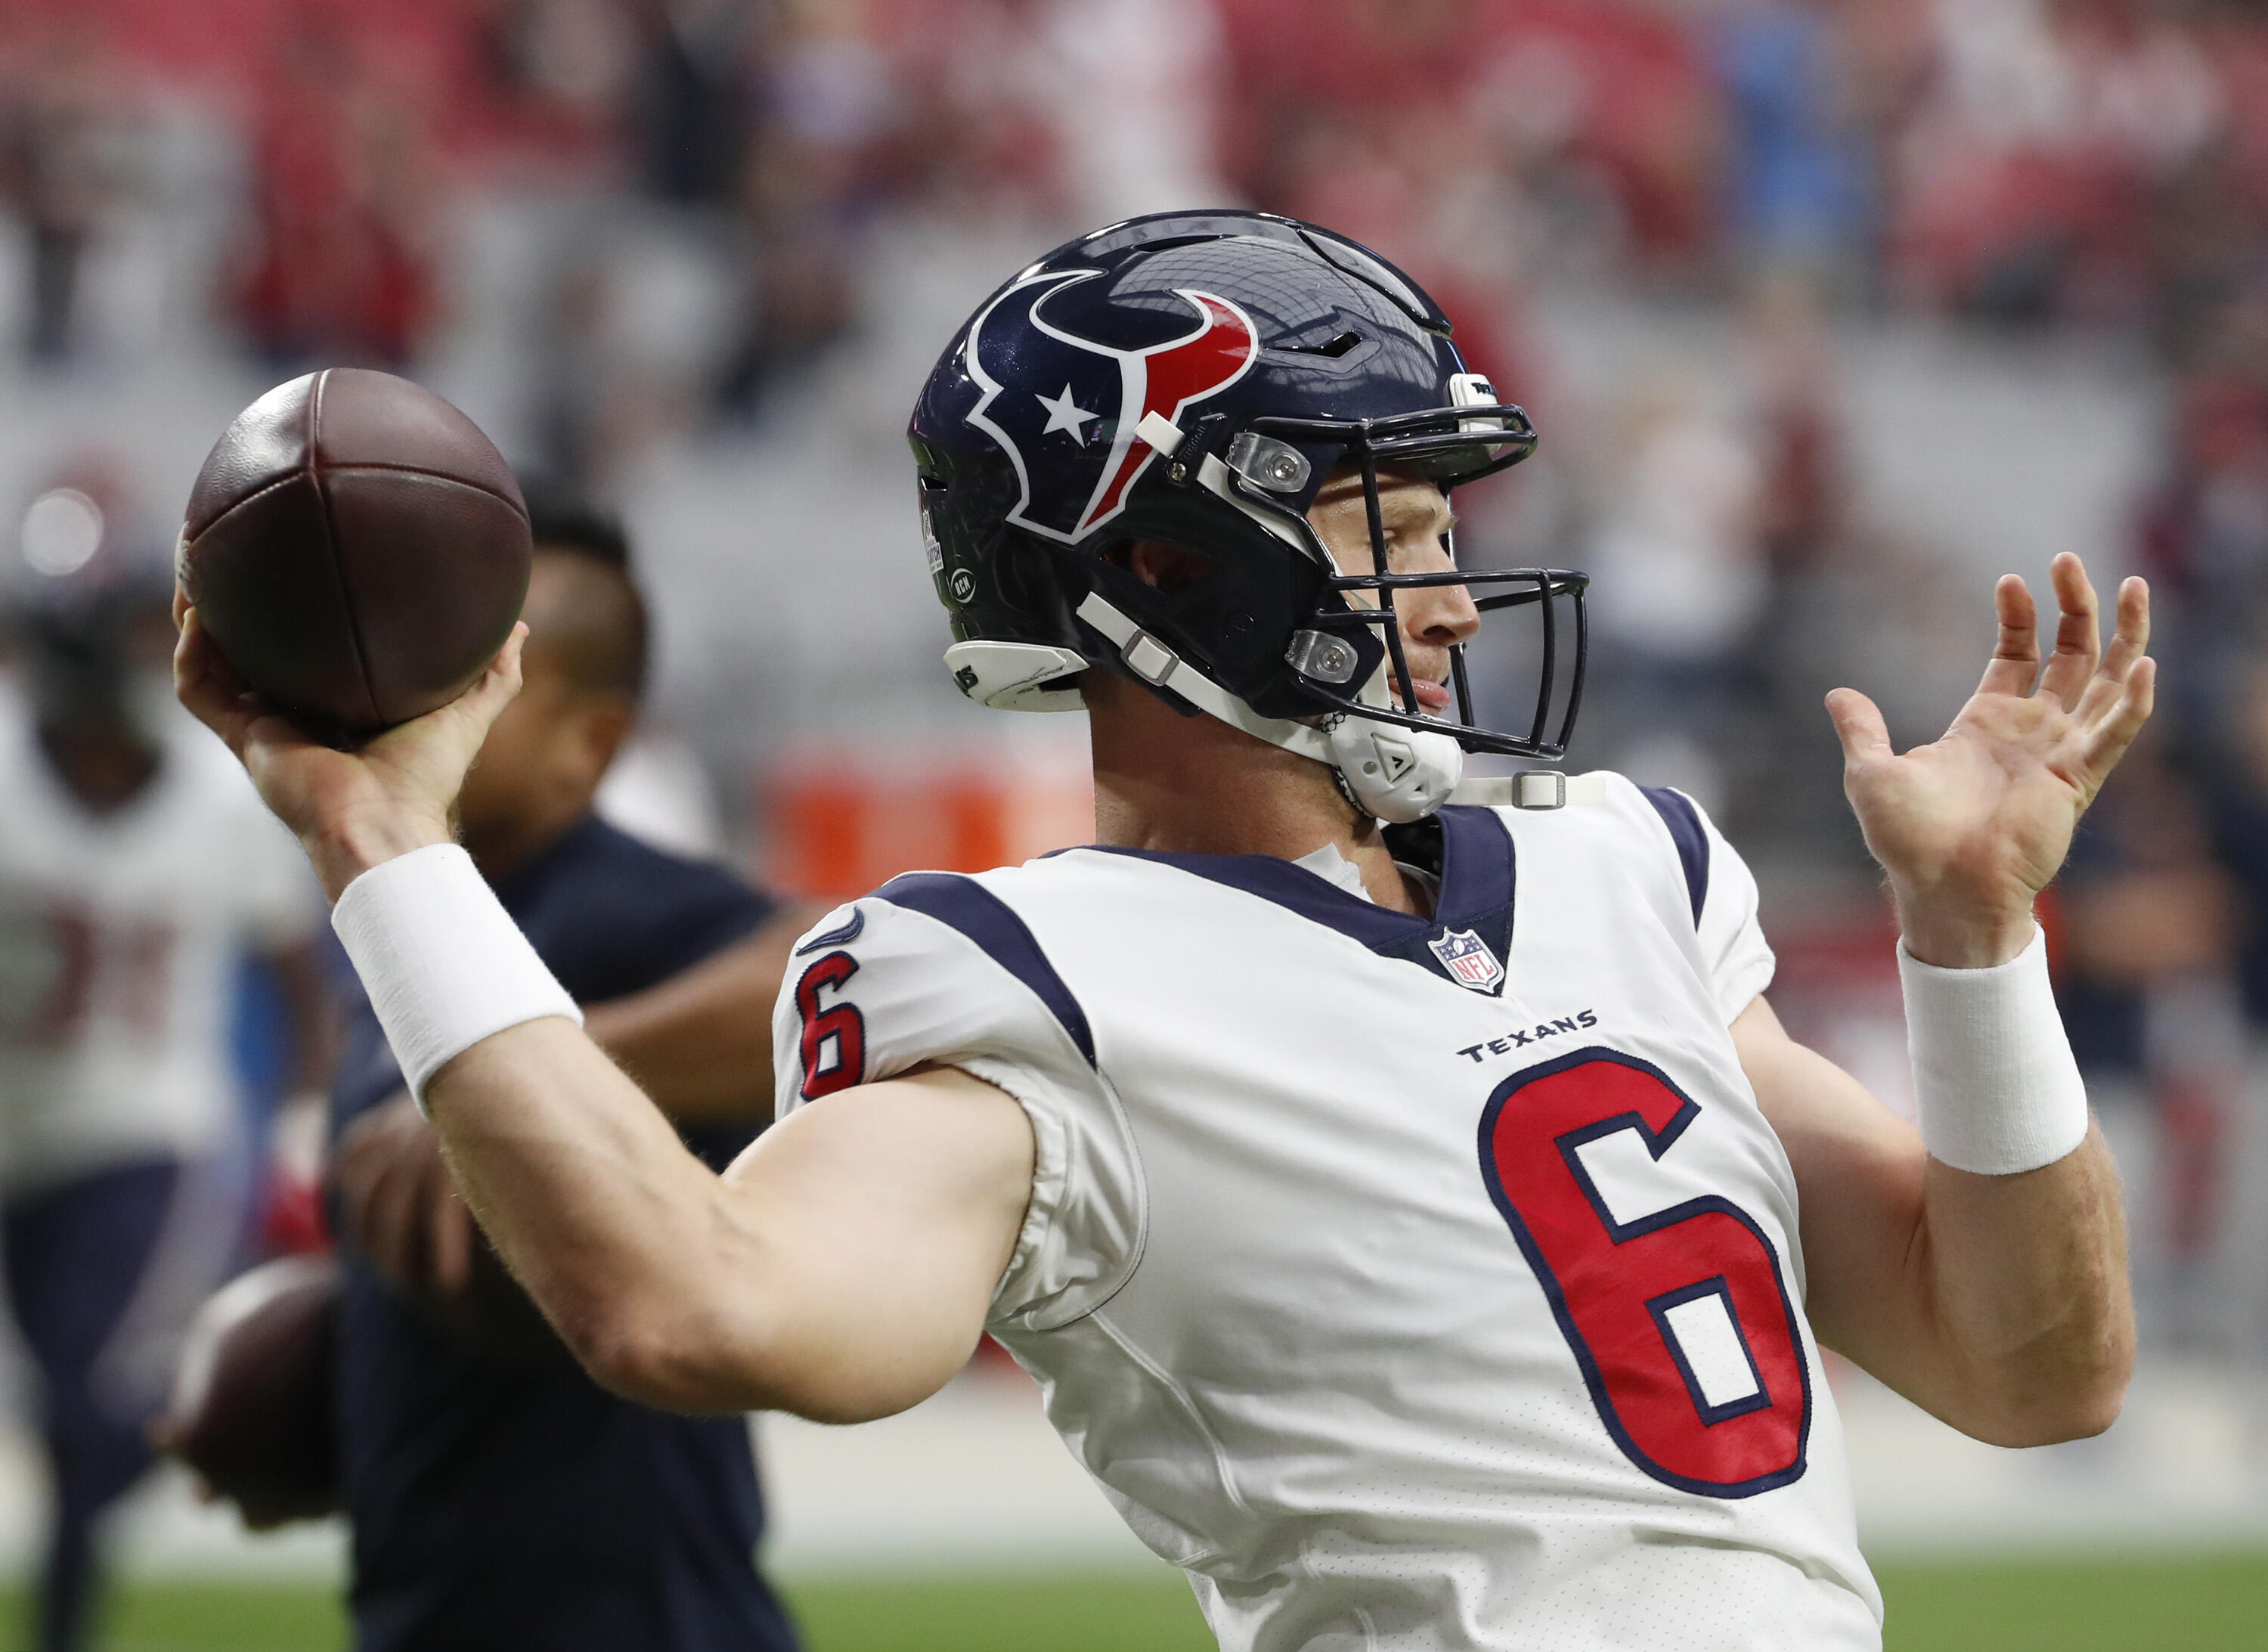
1969,830
397,1205
256,1515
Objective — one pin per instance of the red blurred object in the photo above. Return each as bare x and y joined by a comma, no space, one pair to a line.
334,267
842,821
291,1219
2194,1117
1608,86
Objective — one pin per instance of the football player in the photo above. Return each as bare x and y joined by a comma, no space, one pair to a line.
498,1497
1418,1222
136,868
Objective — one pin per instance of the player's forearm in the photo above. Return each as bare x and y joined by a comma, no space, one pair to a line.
1997,1303
625,1240
701,1050
2021,1232
2023,1280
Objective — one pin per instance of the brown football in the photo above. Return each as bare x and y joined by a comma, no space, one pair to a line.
251,1409
357,549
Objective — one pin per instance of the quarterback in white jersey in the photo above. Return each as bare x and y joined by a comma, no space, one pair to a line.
1385,1296
1421,1226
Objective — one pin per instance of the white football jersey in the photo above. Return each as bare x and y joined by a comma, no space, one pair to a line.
1414,1283
119,938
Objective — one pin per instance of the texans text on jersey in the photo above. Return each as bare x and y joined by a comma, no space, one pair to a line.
1537,1033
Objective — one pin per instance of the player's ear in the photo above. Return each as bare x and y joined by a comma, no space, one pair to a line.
604,722
1170,568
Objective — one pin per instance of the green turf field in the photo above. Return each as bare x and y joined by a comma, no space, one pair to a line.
2188,1604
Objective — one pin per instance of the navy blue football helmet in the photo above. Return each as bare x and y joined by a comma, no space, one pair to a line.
1195,378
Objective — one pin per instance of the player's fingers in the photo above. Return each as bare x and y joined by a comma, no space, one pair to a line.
1858,725
389,1224
2015,662
2106,690
472,713
2132,638
497,685
353,1169
200,683
426,1193
2118,730
2079,632
206,683
452,1239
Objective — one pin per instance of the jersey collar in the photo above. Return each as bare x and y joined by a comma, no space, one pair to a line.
1477,879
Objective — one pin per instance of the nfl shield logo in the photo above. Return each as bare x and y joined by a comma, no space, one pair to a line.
1468,961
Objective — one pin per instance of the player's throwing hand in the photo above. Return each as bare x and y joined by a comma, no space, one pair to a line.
1969,830
350,809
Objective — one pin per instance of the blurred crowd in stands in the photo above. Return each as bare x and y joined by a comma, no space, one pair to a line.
708,175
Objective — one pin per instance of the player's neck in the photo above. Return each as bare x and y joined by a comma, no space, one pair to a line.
1194,785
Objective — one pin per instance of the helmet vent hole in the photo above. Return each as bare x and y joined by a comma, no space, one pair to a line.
1334,347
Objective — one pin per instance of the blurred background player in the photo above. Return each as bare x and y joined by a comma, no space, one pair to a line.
498,1497
136,869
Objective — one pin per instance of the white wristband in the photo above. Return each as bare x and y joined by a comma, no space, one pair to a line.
443,962
1994,1081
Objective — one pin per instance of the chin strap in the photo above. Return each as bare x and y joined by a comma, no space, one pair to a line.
1395,774
1536,788
1161,667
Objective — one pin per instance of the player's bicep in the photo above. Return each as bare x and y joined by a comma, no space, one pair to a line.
889,1212
1859,1169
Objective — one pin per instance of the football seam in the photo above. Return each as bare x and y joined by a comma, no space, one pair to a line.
311,472
519,507
314,475
260,492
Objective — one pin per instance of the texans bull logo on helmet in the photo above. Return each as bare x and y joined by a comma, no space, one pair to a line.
1047,385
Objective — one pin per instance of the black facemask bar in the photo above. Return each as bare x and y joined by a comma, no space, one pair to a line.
1442,443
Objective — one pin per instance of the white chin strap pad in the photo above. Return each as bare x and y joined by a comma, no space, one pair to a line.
1395,774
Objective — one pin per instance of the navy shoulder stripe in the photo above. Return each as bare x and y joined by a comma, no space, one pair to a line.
966,906
843,936
1684,822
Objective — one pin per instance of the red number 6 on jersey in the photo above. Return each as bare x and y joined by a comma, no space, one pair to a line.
1679,1319
839,1031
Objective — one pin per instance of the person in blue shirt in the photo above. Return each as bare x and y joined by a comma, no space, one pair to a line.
498,1497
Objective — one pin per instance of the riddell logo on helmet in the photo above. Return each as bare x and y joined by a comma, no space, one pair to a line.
1065,409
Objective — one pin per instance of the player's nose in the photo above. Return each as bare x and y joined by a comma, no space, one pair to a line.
1439,615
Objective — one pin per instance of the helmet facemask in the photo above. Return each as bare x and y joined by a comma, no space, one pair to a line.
1340,689
1329,655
